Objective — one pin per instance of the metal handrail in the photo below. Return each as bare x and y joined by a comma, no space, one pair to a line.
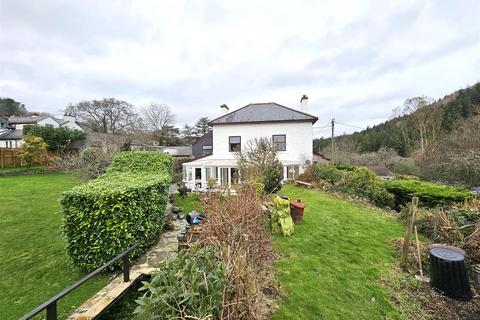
51,304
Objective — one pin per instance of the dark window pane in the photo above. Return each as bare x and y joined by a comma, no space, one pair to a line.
279,138
279,142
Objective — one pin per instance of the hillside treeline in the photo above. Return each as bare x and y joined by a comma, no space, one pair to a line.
438,140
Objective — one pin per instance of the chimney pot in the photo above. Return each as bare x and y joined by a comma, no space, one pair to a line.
224,108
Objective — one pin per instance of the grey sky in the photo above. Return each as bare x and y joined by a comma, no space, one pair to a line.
356,60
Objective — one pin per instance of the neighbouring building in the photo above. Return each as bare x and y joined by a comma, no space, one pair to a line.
382,172
203,146
12,136
289,129
320,158
3,124
174,151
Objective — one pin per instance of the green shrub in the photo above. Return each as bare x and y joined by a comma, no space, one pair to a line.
363,183
408,177
429,194
328,172
56,138
105,216
273,176
345,167
188,286
141,162
177,169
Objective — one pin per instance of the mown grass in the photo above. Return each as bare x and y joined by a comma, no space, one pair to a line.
33,262
188,204
331,267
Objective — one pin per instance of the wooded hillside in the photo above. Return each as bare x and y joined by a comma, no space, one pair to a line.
441,139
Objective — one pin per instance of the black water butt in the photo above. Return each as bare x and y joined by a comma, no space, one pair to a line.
448,273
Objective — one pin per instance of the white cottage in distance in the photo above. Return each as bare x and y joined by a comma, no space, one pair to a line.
11,129
290,131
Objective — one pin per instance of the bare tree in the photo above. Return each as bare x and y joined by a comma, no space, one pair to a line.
422,124
160,120
258,162
416,107
157,116
106,116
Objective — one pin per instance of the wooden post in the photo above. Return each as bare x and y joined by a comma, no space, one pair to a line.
1,158
408,233
418,253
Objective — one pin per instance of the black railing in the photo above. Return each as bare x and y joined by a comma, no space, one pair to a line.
51,305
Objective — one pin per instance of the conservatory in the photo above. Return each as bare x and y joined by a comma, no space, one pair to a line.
210,173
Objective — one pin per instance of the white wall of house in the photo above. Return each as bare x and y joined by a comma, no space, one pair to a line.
11,144
299,136
71,123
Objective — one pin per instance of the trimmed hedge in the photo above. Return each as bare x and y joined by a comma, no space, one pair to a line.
141,162
124,206
106,216
429,194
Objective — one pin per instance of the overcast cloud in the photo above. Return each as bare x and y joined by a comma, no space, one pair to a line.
356,60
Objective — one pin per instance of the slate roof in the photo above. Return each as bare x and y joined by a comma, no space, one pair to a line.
59,121
207,136
12,135
381,171
177,151
25,120
82,125
263,112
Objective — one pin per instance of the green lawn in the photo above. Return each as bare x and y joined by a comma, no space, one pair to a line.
188,204
331,267
33,262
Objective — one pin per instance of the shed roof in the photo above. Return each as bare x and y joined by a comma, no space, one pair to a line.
381,171
263,112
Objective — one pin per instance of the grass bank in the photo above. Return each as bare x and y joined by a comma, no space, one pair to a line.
33,261
332,266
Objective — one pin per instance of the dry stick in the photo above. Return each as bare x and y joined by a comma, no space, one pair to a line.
408,233
418,252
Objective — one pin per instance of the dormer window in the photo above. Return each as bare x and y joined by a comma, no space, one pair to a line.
234,143
279,142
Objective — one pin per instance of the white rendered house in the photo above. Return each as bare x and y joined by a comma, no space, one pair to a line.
290,131
11,130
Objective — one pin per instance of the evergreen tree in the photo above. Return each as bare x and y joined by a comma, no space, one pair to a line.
10,107
201,126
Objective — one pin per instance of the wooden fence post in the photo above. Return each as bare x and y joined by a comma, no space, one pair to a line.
408,233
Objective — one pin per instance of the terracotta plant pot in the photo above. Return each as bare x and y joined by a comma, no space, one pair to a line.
296,210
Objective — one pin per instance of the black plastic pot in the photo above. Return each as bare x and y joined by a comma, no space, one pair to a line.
448,273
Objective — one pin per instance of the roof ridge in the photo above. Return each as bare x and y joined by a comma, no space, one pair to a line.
307,117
